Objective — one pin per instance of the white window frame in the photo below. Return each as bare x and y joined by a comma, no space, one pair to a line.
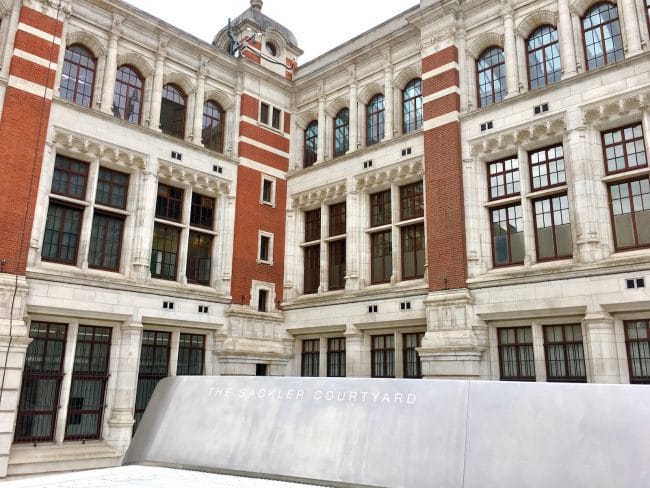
268,261
266,286
271,180
269,120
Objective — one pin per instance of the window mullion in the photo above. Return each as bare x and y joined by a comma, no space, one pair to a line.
66,382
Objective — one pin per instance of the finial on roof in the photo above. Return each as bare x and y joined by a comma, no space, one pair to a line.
257,4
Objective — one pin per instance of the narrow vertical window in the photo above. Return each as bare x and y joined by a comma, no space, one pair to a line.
311,144
191,355
262,300
105,241
265,249
383,356
213,126
381,257
491,72
264,113
276,118
412,363
602,35
62,229
342,132
516,359
413,252
375,120
164,251
199,258
412,106
310,357
336,357
565,356
78,75
543,57
336,255
172,111
311,269
507,235
630,207
553,228
127,100
637,341
154,366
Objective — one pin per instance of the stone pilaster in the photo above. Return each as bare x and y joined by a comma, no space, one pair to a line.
321,130
631,25
197,125
144,216
389,97
510,51
600,348
567,47
110,66
354,110
354,352
156,92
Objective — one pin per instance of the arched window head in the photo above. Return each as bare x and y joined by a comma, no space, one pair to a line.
375,120
543,57
342,132
491,71
78,75
172,111
213,124
412,106
602,35
311,144
127,100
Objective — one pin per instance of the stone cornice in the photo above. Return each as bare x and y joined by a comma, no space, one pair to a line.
390,174
616,106
319,195
193,178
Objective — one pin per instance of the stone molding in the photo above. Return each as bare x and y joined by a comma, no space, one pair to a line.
193,178
318,196
87,146
391,174
620,105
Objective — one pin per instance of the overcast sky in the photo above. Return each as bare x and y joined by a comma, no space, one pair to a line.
318,25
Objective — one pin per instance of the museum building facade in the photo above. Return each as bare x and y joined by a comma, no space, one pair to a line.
461,192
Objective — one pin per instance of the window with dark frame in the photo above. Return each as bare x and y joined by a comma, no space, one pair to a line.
630,208
191,355
491,76
553,227
564,353
412,362
78,75
383,356
311,269
544,65
154,366
61,237
337,222
375,120
601,30
70,177
342,132
412,106
311,144
547,167
624,149
262,300
88,387
637,343
381,257
507,235
199,258
164,251
310,357
265,248
213,124
172,111
336,357
412,201
169,203
264,113
336,265
516,361
276,117
112,188
380,210
127,99
413,251
202,211
38,405
504,178
106,241
312,225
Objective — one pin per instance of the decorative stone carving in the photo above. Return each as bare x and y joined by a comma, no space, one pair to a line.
388,175
616,106
85,145
319,195
187,176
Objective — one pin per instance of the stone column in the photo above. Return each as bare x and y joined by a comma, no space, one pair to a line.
110,66
354,351
354,230
156,92
354,110
143,221
389,101
631,25
64,395
567,46
510,52
600,348
197,126
321,130
291,255
127,361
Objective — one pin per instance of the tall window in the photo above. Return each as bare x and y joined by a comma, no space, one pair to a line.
383,356
543,57
381,264
507,235
312,268
630,207
78,75
413,252
39,395
412,106
516,353
199,258
336,357
565,356
553,227
311,144
602,35
375,120
336,248
637,341
503,178
547,167
491,71
191,355
310,357
154,366
342,132
412,363
88,387
172,111
213,126
127,101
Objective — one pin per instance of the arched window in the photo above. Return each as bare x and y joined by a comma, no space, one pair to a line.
491,70
213,123
311,143
412,106
342,132
127,102
78,75
602,35
172,111
543,57
375,120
